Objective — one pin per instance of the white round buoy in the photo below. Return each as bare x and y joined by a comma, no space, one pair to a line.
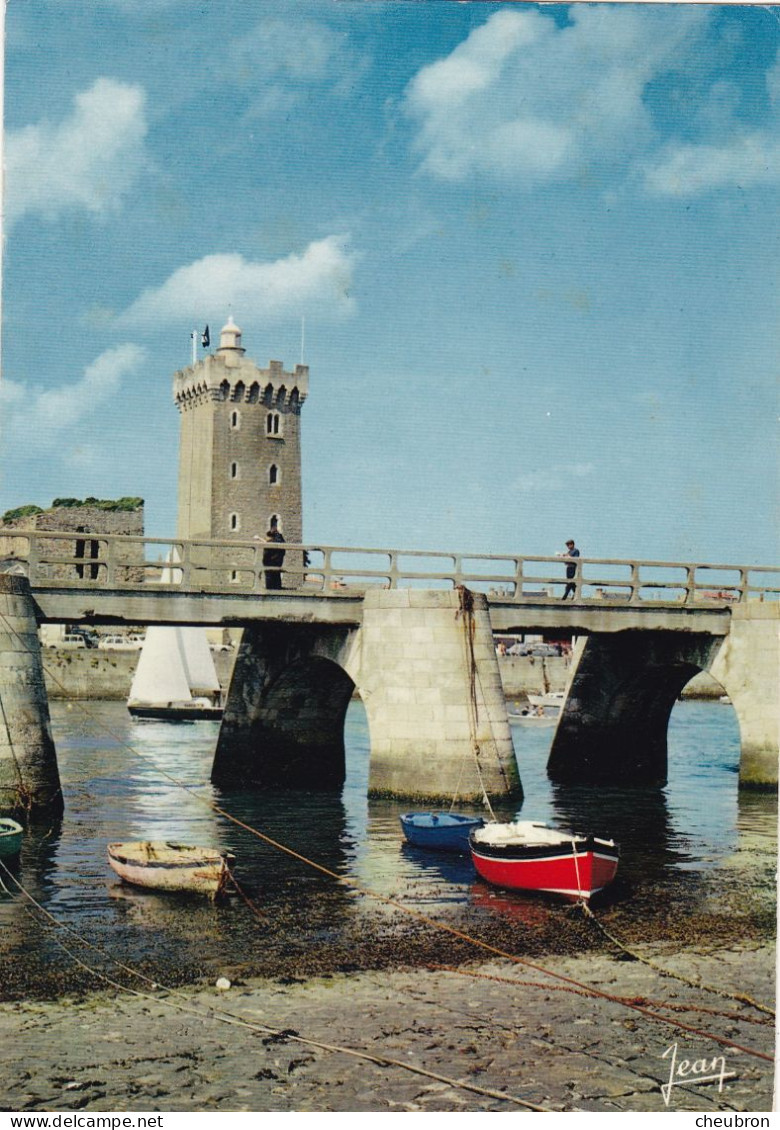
222,983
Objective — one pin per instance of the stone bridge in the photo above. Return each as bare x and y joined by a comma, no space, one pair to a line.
412,633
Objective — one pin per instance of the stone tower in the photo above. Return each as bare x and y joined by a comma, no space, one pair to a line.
240,444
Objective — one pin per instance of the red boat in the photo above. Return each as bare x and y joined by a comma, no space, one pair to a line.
524,856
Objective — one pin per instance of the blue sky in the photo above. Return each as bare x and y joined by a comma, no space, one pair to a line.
535,249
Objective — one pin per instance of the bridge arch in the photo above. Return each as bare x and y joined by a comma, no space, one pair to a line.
284,718
621,691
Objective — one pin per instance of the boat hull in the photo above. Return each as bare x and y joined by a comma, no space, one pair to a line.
162,866
11,836
439,831
549,698
573,869
533,719
177,713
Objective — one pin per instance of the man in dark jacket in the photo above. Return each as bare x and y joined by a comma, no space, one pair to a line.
273,557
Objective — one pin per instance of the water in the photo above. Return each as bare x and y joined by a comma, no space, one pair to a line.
695,850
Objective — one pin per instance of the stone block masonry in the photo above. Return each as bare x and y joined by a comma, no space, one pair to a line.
747,666
446,736
29,780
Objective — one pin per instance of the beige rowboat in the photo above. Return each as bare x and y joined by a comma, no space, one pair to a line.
163,866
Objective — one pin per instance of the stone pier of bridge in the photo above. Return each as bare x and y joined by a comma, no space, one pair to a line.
424,664
29,778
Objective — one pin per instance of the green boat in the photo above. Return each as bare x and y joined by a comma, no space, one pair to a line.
10,837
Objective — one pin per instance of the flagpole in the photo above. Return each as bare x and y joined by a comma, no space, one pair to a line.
194,348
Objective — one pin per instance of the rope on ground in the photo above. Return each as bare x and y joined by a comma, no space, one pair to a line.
743,998
649,1002
225,1017
627,1002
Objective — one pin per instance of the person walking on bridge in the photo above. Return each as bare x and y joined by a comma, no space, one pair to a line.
571,569
273,557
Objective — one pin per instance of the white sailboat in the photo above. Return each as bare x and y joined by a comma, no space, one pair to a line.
175,679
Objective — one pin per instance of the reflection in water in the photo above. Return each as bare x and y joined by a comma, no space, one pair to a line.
526,910
120,782
638,819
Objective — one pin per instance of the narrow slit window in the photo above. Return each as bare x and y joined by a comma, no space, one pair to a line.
273,474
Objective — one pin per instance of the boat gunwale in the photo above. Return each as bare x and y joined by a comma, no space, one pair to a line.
517,853
199,857
440,820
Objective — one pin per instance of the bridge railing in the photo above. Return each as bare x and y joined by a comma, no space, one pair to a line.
84,560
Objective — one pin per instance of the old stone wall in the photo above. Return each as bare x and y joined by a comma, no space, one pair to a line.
530,673
81,521
92,673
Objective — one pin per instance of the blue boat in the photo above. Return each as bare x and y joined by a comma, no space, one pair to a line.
11,835
439,831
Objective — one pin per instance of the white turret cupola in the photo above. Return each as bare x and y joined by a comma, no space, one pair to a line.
230,338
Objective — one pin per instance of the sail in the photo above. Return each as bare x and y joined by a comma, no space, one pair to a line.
198,662
171,576
174,662
160,676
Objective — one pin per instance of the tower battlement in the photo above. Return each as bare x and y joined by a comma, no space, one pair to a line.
224,378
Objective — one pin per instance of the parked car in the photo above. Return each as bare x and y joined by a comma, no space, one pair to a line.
544,649
536,649
68,641
121,643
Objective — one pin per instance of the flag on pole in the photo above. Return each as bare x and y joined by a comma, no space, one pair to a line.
205,340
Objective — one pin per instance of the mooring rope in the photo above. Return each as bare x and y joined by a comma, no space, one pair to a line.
658,1017
466,614
743,998
648,1002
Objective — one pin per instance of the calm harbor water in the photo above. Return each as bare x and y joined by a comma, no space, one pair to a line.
696,849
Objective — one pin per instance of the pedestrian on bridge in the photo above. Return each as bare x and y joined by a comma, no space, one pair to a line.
273,559
571,569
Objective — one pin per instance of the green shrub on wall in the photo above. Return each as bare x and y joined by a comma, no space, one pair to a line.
22,512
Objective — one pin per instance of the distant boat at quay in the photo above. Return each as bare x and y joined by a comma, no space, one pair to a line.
175,680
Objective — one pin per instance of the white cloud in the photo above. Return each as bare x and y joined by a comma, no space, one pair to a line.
529,102
317,282
89,160
37,418
280,62
684,170
303,50
556,477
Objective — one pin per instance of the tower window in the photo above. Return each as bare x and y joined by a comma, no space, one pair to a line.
235,419
273,474
273,424
234,470
234,522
